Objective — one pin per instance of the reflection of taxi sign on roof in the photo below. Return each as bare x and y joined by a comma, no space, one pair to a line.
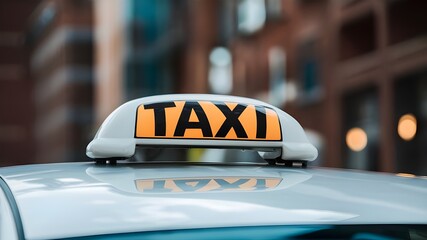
212,184
197,120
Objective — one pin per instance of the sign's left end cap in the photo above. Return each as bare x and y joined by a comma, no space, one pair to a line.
109,148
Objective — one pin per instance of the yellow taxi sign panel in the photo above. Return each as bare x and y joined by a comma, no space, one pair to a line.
209,184
211,120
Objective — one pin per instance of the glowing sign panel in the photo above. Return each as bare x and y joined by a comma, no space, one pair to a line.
207,120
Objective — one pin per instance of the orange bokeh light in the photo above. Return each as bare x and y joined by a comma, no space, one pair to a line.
356,139
407,127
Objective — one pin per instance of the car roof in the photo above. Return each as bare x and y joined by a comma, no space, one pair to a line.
79,199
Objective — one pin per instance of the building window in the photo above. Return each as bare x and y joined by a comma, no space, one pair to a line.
42,23
406,19
410,130
152,48
357,37
277,70
226,21
274,9
149,20
149,77
251,16
349,3
361,130
220,72
309,73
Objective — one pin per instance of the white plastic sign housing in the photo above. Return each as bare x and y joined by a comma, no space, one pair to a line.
201,120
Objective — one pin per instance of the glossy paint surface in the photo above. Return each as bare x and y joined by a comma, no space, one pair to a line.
78,199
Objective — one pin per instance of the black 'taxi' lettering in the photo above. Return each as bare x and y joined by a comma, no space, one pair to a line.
231,121
160,116
184,120
261,120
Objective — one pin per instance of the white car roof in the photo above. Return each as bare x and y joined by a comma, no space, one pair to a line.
79,199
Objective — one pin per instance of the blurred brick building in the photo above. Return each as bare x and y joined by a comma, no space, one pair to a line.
339,65
16,137
353,72
60,36
151,47
377,78
137,50
335,65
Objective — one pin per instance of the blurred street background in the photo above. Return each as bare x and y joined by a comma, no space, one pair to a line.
352,72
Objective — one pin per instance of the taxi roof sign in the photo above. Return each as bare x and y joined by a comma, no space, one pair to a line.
201,120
